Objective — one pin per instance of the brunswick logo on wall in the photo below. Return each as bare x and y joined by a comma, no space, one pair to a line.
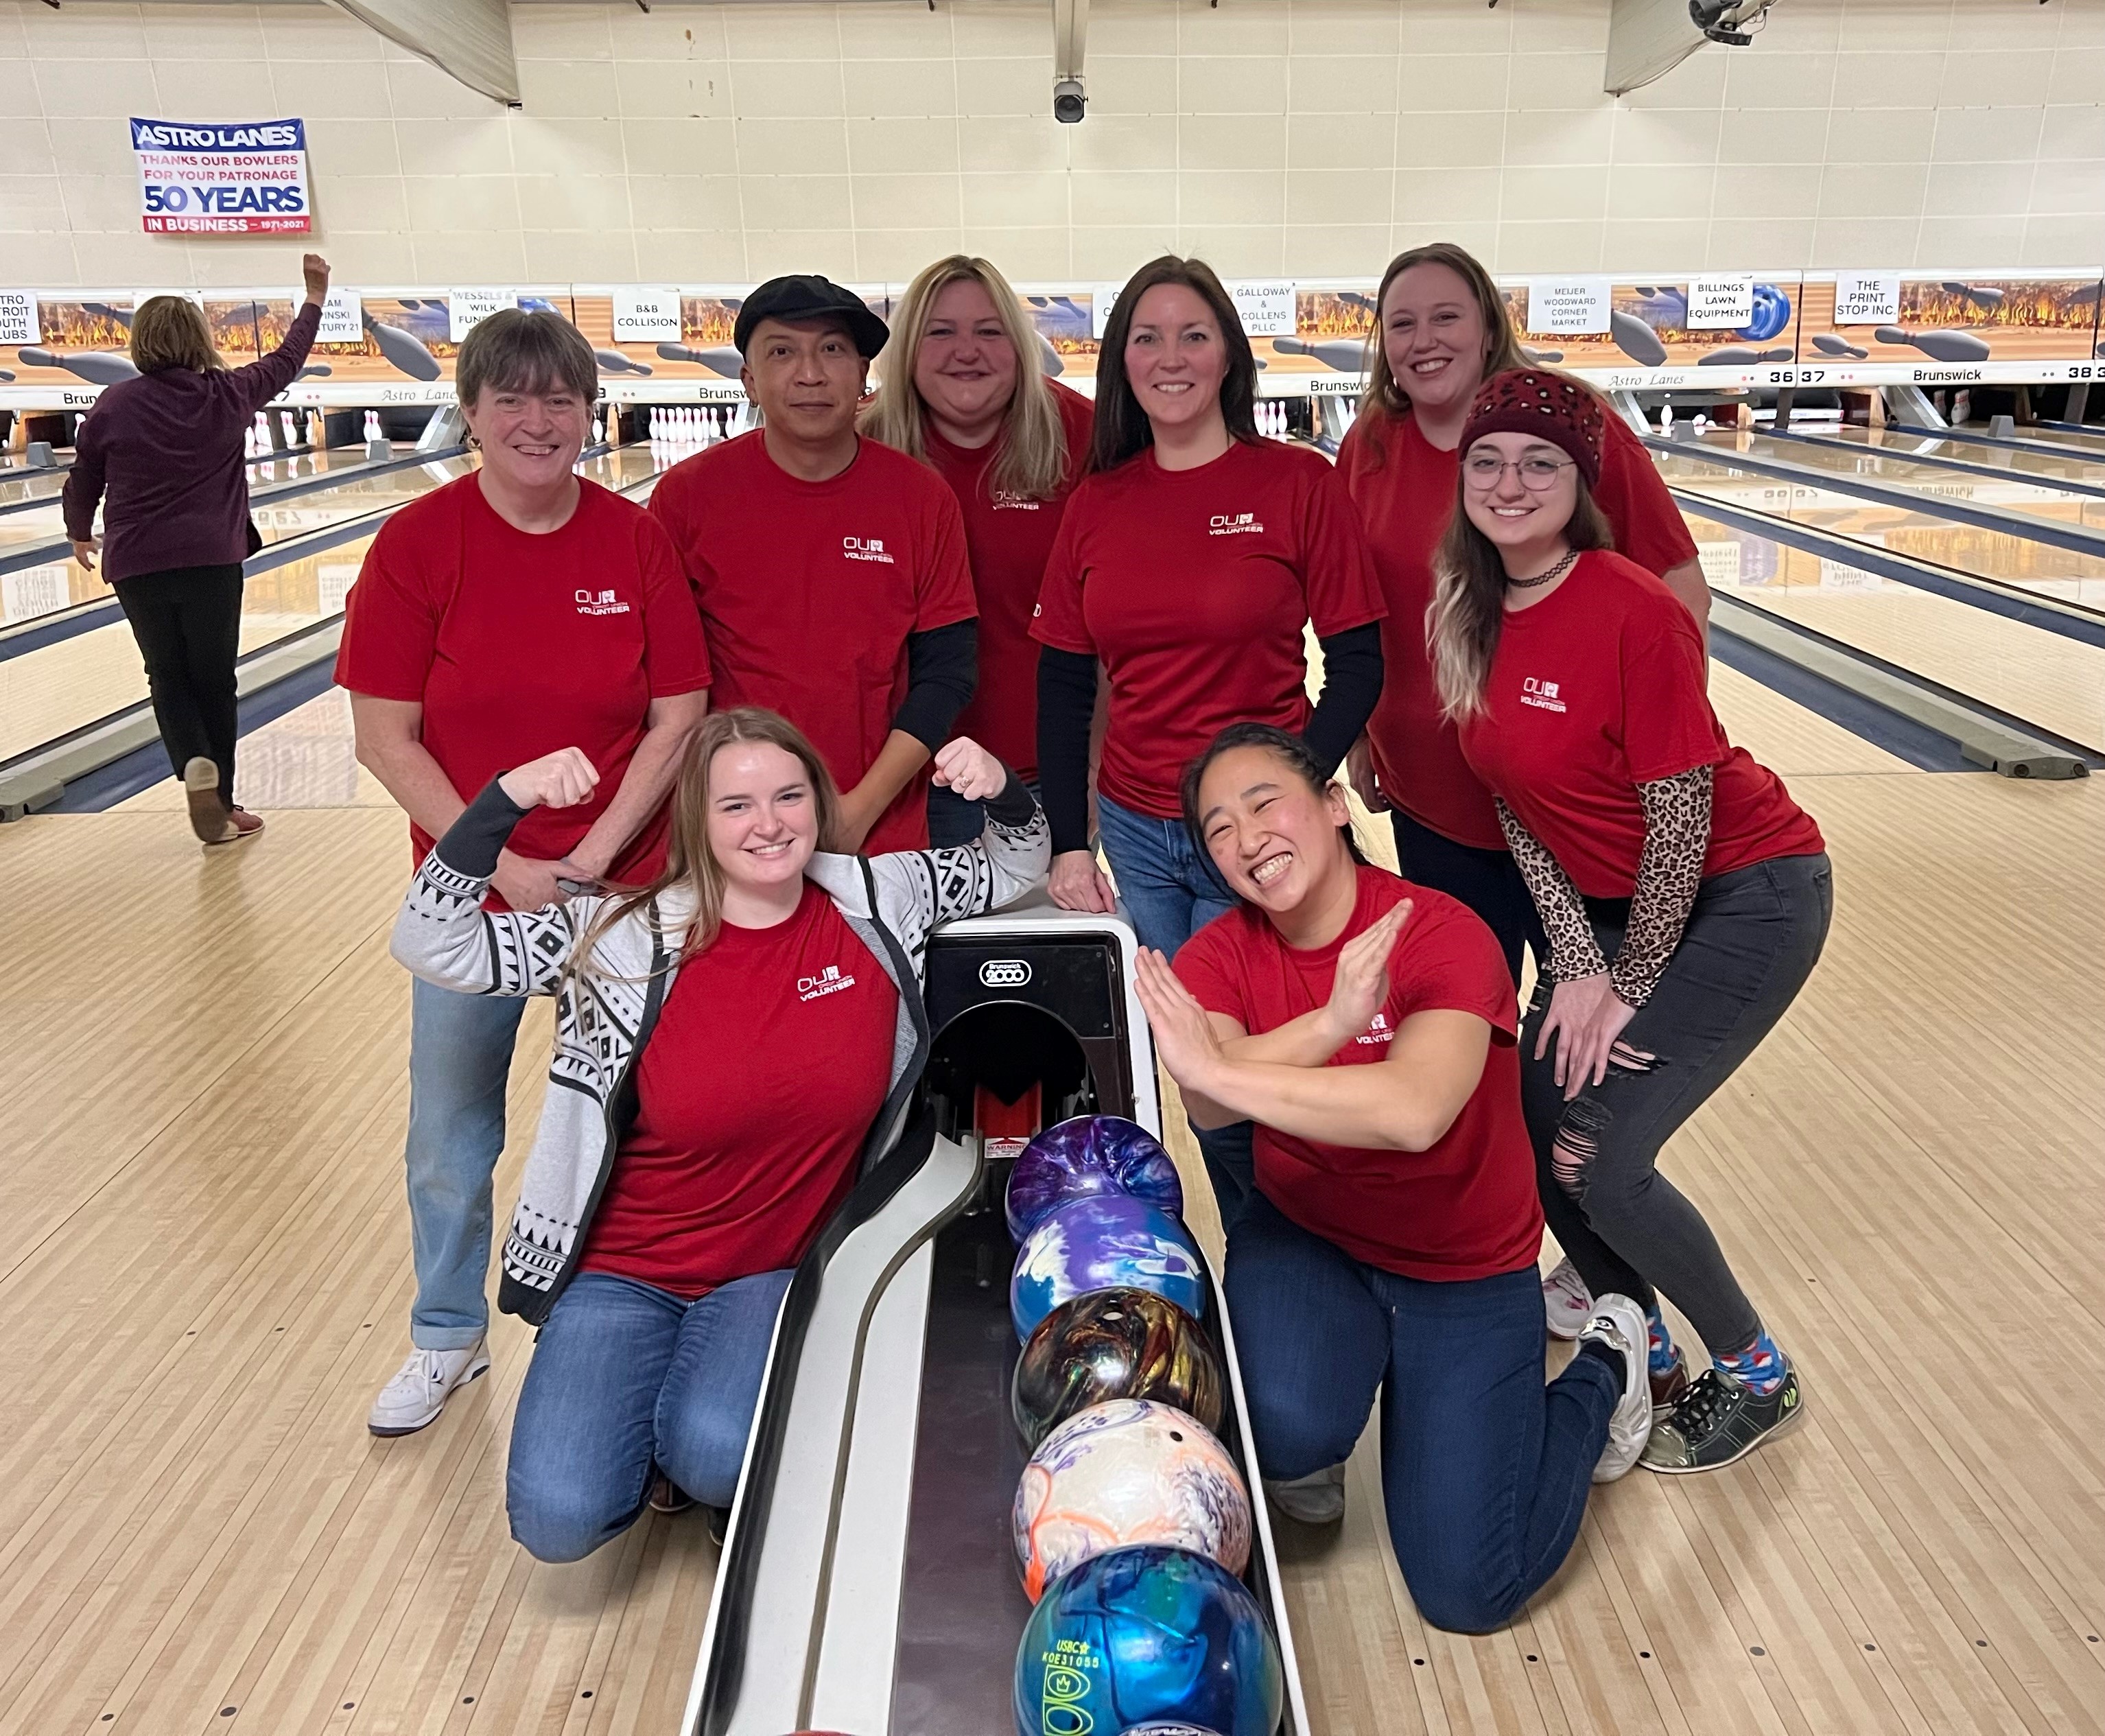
221,178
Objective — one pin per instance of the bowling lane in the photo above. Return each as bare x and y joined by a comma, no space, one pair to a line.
2013,559
2050,681
18,486
59,688
1874,445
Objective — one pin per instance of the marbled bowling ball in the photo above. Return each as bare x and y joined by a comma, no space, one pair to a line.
1089,1154
1148,1633
1127,1472
1100,1242
1115,1344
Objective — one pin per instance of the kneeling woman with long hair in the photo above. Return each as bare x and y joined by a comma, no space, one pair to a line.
1686,896
735,1042
1366,1026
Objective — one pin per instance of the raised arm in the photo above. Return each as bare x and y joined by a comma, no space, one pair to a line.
261,381
924,888
443,934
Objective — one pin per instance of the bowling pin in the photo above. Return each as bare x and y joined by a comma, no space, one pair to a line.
249,443
599,431
1702,421
1666,420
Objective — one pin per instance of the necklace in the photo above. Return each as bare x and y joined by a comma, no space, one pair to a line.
1557,571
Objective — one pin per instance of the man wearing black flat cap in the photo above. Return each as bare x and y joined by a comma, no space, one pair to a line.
831,572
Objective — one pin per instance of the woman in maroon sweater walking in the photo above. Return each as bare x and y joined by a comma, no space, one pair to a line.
166,450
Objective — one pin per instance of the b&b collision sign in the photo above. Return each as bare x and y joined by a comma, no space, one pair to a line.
231,178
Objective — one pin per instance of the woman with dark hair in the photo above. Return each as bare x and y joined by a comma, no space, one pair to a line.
1193,558
736,1041
167,448
1686,896
959,387
515,611
1367,1026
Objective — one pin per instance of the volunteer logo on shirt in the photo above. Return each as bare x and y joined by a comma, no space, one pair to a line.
1378,1032
1234,524
1540,694
1007,500
830,981
866,548
600,603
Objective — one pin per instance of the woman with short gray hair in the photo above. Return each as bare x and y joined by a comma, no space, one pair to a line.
162,455
518,610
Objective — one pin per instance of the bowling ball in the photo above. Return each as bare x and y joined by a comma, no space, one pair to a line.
1115,1344
1099,1241
1127,1472
1147,1632
1771,315
1089,1154
1174,1727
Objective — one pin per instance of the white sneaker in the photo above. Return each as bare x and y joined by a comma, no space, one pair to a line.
1318,1499
1567,1301
1620,1323
420,1387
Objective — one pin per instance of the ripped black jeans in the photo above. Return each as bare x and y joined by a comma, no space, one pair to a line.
1752,940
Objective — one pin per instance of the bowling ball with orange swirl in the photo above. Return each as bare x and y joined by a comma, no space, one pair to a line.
1123,1473
1120,1343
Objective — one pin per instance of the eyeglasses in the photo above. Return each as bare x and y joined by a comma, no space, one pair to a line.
1536,474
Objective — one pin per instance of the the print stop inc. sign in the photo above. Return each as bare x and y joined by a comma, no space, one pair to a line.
222,178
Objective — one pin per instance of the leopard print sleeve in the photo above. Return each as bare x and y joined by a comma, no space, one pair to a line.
1573,951
1677,813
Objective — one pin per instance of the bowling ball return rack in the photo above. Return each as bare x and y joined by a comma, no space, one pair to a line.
867,1583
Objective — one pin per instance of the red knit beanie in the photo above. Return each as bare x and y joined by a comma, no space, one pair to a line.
1528,401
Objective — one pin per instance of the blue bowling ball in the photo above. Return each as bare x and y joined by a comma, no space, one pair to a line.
1089,1154
1771,314
1098,1242
1148,1636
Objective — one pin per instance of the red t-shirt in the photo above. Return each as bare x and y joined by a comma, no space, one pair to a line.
517,645
768,1064
1009,536
1467,1207
1404,488
1193,587
1596,689
808,590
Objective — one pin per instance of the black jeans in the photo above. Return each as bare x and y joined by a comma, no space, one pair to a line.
1752,940
1488,881
187,620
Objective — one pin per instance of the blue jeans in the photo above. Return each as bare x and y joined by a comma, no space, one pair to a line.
460,1059
627,1377
1485,1471
1171,892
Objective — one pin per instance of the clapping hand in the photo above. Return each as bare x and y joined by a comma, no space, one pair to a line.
1184,1036
1361,987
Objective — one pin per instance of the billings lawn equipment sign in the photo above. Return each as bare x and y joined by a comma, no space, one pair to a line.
212,178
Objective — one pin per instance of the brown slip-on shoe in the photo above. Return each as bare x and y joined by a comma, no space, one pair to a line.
1667,1388
208,811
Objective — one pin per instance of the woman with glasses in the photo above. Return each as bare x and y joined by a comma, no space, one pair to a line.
1686,896
1193,558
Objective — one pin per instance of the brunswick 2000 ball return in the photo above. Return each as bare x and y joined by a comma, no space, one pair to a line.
867,1583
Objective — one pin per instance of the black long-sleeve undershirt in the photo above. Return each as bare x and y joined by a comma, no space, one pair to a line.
942,670
1352,683
1067,706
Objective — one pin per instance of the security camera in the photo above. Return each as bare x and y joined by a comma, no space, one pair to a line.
1729,21
1069,103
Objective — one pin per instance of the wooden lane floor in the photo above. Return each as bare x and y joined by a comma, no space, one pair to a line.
2053,681
56,688
19,485
2070,575
2021,490
209,1276
2072,464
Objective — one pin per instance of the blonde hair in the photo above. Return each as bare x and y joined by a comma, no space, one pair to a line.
169,331
1033,456
1467,609
690,862
1502,350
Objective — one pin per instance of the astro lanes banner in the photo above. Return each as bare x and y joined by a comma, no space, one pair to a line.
212,178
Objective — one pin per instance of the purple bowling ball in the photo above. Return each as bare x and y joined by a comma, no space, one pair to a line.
1090,1155
1102,1241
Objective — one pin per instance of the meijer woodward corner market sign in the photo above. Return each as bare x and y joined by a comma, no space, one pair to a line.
234,178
